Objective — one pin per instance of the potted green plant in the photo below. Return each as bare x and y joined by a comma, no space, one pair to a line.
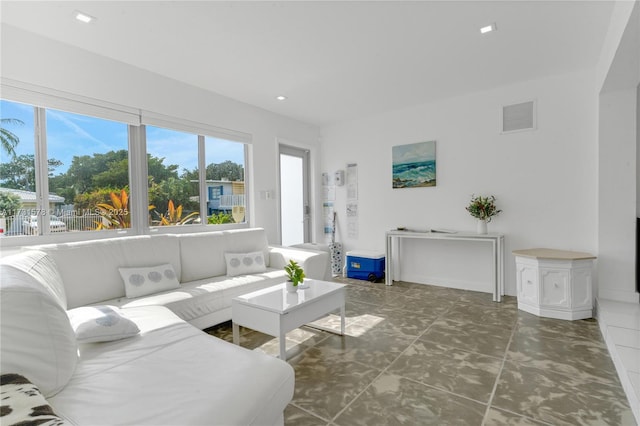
483,209
295,275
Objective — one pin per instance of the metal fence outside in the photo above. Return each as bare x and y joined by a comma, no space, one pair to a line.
28,224
87,222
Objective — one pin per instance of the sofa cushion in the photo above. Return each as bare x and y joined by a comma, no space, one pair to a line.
89,269
43,269
101,324
247,240
202,254
203,297
142,281
181,376
37,339
316,263
244,263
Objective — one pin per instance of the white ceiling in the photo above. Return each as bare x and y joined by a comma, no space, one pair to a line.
334,60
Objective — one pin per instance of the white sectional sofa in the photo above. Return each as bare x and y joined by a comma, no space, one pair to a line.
90,270
161,370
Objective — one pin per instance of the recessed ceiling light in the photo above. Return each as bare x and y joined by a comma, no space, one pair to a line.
488,28
83,17
281,98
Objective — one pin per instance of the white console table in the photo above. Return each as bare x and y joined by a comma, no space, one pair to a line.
496,241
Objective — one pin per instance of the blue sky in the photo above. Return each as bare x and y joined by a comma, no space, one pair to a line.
70,135
24,132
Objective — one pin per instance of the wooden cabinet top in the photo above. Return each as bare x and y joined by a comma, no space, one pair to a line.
546,253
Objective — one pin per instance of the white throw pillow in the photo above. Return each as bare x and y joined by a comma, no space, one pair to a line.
244,263
102,323
144,281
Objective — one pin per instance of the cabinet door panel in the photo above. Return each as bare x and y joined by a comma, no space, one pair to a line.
528,284
581,288
555,288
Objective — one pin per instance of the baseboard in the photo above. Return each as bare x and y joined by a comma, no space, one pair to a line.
625,296
485,287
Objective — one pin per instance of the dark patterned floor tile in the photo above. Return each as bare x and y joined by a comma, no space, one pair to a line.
461,372
497,417
470,336
546,396
324,386
497,314
578,358
394,400
294,416
374,349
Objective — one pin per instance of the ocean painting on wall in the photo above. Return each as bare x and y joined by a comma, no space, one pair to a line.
414,165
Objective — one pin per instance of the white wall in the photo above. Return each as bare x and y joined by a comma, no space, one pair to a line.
618,76
545,181
32,59
617,192
618,24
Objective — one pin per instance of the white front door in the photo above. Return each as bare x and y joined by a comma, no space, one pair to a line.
294,195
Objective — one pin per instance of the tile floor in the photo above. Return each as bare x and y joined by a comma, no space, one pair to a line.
416,354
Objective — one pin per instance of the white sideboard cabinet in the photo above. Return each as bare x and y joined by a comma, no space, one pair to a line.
555,283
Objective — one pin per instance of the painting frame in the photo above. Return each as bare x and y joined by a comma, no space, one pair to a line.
414,165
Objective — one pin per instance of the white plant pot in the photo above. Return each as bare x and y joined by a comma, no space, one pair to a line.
291,288
481,227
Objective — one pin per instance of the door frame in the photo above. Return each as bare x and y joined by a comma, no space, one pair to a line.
288,148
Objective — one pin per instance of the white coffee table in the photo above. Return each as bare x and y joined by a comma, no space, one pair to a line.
274,311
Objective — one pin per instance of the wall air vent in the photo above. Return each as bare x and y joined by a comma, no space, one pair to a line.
518,117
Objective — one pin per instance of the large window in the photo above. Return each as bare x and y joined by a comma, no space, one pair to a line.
225,160
84,185
172,162
90,162
18,202
175,177
63,172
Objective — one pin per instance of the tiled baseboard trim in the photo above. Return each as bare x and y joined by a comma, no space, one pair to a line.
616,319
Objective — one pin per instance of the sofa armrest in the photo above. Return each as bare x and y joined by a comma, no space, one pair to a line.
315,263
23,403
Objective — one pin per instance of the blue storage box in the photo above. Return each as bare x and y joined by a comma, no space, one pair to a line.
365,265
